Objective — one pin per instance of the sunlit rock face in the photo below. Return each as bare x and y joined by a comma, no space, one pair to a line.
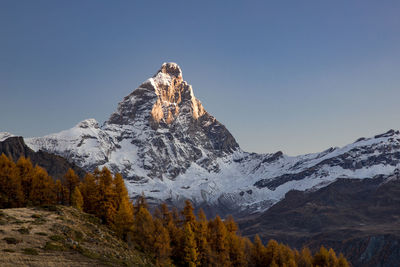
167,94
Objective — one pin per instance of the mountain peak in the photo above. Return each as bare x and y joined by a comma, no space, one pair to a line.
159,100
5,135
88,123
171,69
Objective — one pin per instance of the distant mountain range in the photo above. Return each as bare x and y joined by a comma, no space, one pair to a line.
170,148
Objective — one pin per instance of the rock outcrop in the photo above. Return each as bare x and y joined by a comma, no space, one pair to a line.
55,165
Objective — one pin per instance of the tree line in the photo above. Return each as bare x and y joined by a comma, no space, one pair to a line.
171,237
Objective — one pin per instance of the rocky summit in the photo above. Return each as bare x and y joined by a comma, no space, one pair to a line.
170,148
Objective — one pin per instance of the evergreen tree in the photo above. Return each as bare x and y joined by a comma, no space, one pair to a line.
70,181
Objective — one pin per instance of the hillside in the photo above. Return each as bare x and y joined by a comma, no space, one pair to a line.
61,236
359,218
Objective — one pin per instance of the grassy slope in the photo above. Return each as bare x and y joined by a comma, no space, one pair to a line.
61,236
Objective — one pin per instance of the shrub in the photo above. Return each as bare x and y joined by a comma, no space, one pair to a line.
41,233
30,251
11,240
23,231
57,238
53,247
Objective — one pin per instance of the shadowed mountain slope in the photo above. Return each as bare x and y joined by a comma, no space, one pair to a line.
360,218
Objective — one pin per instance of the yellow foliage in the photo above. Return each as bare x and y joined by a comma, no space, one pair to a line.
77,199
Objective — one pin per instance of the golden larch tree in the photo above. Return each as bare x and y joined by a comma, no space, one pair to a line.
77,199
43,188
70,181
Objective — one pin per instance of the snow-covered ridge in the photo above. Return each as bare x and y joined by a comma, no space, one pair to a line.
168,147
5,135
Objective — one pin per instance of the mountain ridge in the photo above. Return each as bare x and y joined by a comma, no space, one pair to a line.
170,148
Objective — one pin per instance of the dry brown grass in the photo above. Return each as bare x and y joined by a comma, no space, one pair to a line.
63,236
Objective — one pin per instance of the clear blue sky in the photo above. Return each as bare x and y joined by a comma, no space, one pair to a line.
296,76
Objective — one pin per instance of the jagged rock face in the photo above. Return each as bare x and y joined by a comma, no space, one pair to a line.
164,113
165,127
170,148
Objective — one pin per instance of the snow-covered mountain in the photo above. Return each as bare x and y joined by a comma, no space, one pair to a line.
170,148
5,135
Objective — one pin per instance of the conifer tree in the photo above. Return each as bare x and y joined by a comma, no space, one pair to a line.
305,258
247,250
25,172
272,252
91,195
121,192
140,202
11,195
321,258
124,218
190,247
70,181
203,246
59,193
177,237
165,215
342,262
188,215
161,246
107,207
333,261
43,188
236,250
77,199
218,242
258,254
143,228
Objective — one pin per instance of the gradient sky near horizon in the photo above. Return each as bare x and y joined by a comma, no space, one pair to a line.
296,76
